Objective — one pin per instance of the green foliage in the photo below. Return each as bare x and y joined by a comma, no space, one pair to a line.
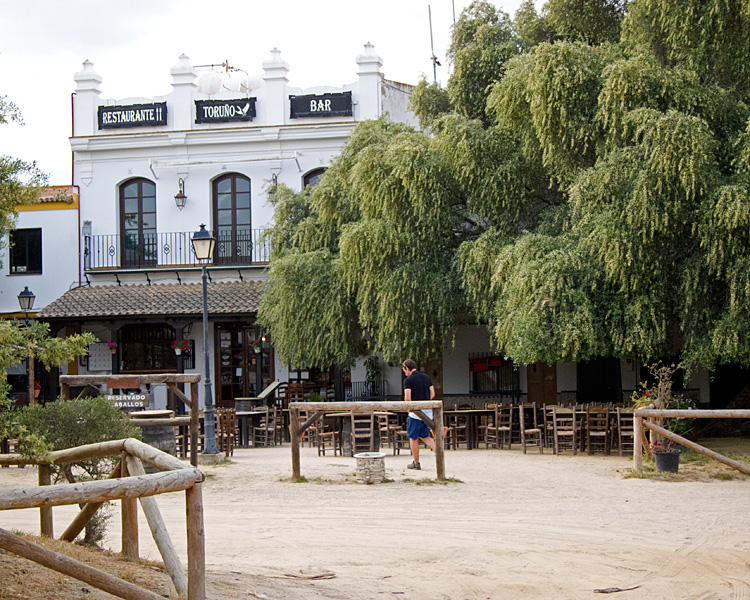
531,28
483,41
586,198
428,101
706,36
20,182
591,21
66,424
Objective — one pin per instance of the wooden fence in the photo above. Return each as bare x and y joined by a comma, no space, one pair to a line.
120,382
318,409
648,418
126,483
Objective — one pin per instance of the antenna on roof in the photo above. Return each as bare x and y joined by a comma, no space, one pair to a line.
435,61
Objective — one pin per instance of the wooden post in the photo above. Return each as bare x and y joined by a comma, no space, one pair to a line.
196,546
87,511
45,512
294,433
73,568
437,414
32,397
194,424
159,532
638,444
65,391
129,517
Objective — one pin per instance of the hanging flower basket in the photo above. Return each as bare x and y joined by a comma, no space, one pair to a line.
180,346
112,345
256,345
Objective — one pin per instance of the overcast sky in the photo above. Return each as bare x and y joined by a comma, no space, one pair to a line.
133,45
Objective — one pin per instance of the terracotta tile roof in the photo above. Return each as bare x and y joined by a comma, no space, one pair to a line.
233,297
57,193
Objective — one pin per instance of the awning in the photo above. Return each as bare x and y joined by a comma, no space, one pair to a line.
160,300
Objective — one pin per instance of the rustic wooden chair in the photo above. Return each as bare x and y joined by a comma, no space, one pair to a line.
363,432
226,430
456,428
278,425
625,430
328,437
499,433
597,429
387,424
529,427
263,432
565,429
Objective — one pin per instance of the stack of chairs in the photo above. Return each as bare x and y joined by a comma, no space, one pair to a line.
226,430
597,429
363,432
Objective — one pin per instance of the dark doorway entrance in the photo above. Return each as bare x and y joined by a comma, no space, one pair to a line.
244,363
599,380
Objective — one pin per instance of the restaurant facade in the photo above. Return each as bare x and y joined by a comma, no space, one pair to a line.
149,171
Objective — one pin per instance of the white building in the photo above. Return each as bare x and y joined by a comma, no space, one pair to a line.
152,170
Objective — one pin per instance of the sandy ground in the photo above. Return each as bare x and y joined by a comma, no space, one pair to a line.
508,526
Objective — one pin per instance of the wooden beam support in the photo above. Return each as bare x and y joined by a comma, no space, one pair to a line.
294,434
73,568
196,544
159,531
100,491
88,511
45,512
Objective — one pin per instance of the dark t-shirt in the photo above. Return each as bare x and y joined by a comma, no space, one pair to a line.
419,384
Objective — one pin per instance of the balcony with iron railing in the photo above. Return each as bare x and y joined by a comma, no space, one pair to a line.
155,250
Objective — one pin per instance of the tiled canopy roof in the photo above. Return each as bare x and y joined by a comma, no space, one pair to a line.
234,297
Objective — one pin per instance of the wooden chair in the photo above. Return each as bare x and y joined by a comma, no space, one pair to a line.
226,430
625,430
387,424
597,429
456,429
329,437
263,432
363,432
529,426
565,429
278,425
499,433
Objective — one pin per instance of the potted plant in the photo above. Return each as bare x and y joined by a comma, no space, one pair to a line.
112,345
180,346
256,346
37,389
659,395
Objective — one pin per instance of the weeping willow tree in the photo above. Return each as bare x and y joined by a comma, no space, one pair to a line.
589,198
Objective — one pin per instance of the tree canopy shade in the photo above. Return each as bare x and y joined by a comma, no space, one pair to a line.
583,196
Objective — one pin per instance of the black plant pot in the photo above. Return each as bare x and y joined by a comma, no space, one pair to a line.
667,462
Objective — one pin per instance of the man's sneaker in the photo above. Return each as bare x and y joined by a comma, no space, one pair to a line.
414,465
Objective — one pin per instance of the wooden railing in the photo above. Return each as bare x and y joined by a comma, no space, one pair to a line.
318,409
127,482
645,418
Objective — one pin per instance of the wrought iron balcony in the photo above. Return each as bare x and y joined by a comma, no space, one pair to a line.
154,250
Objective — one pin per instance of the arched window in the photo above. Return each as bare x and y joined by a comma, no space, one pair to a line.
232,219
138,223
312,177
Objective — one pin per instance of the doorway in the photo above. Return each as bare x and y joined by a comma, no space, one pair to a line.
541,379
244,363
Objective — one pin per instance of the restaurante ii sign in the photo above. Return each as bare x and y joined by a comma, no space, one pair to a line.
133,115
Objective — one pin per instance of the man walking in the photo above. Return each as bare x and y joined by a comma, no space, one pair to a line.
417,386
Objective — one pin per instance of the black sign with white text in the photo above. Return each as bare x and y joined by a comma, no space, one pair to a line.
133,115
321,105
224,111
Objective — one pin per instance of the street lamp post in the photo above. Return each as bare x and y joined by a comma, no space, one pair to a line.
203,246
26,302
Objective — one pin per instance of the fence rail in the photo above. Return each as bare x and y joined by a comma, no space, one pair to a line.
649,418
172,249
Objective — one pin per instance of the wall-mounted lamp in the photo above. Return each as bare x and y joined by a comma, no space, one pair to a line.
180,198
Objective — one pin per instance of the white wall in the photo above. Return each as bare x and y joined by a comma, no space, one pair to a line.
59,259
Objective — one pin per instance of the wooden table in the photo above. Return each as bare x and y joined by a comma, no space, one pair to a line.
246,420
472,422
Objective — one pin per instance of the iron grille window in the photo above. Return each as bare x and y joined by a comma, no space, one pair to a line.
493,374
147,348
25,251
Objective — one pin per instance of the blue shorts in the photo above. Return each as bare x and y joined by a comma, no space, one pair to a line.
416,428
